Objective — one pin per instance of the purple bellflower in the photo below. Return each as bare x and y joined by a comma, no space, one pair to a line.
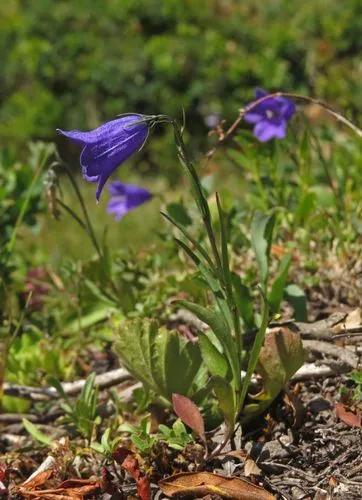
107,146
125,197
270,117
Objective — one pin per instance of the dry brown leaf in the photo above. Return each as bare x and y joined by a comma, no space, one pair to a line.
250,468
348,417
200,484
66,491
352,320
38,480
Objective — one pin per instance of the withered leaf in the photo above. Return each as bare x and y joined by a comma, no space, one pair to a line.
73,489
348,417
199,484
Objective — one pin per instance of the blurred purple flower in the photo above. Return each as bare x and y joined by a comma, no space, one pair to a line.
107,146
125,197
270,117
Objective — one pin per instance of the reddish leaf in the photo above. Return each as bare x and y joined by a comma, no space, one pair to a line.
143,488
3,479
189,413
348,417
120,454
131,465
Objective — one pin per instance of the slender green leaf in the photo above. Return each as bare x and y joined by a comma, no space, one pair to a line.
261,238
244,301
192,240
215,361
224,247
35,433
255,351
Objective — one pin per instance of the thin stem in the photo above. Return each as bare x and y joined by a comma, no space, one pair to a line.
198,193
73,214
84,210
335,191
224,136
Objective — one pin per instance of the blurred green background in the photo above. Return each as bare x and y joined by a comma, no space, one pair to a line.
75,64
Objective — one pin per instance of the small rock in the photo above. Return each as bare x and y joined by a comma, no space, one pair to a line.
319,404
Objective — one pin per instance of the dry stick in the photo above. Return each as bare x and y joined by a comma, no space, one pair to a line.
103,381
224,136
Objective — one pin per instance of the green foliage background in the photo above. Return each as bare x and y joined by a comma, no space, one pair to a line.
74,64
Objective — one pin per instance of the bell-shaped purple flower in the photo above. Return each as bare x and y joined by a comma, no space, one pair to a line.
270,116
107,146
125,197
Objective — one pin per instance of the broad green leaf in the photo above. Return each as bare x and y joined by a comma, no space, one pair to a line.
179,214
225,395
35,433
215,361
133,346
244,301
277,291
298,300
261,238
162,360
172,356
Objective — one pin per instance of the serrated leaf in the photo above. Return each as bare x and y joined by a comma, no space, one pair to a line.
157,357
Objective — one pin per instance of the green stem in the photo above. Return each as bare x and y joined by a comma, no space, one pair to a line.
84,210
199,196
222,264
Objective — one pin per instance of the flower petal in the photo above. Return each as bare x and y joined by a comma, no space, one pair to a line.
107,146
253,117
265,130
126,197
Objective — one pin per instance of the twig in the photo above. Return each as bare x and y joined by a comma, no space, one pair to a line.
230,132
344,356
312,370
103,381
